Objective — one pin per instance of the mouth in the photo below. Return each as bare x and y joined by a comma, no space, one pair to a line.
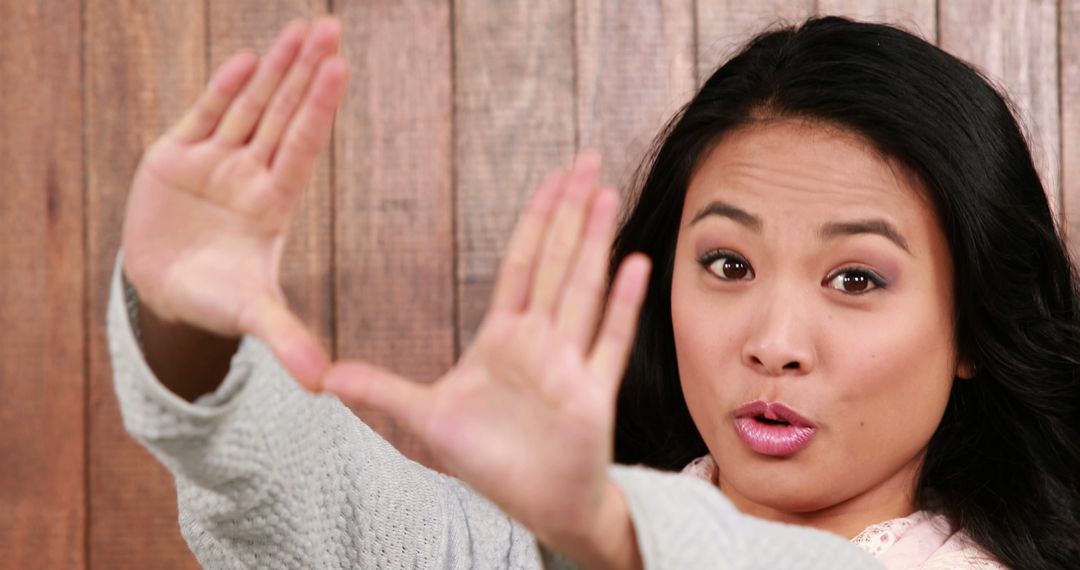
771,428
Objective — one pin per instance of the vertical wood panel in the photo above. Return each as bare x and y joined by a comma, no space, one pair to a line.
724,25
451,112
514,122
306,271
42,351
145,62
1070,121
394,247
1016,43
635,62
917,16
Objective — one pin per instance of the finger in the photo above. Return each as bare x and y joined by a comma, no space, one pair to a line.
241,116
321,41
377,389
309,131
564,234
515,274
580,303
199,121
289,339
608,358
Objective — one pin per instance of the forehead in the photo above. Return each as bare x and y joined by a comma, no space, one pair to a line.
810,171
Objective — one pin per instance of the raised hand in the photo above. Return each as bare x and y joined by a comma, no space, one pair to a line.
526,416
212,199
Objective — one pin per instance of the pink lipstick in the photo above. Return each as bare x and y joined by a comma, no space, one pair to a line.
771,428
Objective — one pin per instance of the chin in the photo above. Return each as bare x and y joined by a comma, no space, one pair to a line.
783,485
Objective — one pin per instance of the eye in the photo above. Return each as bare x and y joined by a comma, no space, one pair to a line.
727,266
854,281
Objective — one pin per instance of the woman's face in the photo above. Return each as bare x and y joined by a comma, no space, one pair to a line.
812,274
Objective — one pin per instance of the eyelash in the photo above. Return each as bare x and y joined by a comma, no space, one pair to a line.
713,256
873,278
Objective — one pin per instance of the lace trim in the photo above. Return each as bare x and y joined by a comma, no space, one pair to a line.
875,538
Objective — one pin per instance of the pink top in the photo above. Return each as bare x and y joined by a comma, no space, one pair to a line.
920,540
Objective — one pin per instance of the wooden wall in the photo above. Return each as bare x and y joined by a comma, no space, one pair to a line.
455,110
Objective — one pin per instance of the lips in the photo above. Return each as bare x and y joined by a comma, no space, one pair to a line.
771,428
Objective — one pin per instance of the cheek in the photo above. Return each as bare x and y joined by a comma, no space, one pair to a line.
705,332
893,381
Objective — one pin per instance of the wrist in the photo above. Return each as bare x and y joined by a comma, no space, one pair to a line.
610,540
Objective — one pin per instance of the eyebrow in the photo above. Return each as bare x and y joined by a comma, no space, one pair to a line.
876,226
725,210
828,231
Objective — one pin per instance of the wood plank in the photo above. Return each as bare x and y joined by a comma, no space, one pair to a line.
306,265
42,342
636,66
725,25
1015,42
514,122
145,63
394,245
917,16
1070,122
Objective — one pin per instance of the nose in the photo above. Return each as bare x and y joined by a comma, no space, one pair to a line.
780,341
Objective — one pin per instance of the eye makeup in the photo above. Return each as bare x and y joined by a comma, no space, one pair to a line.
726,265
854,280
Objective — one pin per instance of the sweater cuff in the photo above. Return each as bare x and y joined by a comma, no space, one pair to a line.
136,382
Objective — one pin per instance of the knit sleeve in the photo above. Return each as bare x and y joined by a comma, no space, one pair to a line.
270,475
683,522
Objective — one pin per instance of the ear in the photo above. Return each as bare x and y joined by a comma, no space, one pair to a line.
965,369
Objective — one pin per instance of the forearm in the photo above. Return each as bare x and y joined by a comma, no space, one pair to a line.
266,469
613,543
683,522
188,361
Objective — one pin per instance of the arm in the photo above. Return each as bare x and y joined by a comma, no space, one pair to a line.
653,519
683,522
269,474
168,346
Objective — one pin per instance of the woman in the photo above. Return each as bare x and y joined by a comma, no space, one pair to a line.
931,331
771,174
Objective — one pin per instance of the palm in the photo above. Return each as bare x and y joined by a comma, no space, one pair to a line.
521,402
526,416
205,231
212,199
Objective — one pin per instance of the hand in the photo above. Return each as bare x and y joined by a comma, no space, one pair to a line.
212,199
526,417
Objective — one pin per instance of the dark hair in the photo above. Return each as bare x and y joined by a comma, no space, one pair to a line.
1004,463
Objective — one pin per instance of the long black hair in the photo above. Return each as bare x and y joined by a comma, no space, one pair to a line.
1004,463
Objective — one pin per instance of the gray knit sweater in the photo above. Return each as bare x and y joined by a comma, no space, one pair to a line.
271,476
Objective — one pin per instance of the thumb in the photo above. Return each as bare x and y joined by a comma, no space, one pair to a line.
378,389
289,339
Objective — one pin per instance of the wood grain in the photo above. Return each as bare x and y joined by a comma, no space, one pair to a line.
635,68
724,25
1015,42
455,112
42,340
145,62
1070,122
514,115
394,246
916,16
307,265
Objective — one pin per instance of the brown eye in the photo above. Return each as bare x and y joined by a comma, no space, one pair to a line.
855,281
728,267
